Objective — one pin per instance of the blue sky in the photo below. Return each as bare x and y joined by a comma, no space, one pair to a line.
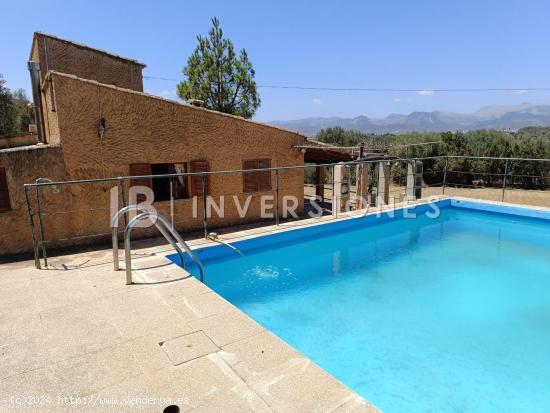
420,44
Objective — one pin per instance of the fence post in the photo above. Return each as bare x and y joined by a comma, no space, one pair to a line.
445,174
334,197
171,204
277,196
31,221
204,217
41,222
506,165
122,198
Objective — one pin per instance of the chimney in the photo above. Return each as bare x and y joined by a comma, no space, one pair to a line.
196,102
34,69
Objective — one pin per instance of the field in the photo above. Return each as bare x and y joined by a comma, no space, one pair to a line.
514,196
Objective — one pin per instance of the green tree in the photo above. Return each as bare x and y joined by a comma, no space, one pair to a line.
9,118
220,78
25,110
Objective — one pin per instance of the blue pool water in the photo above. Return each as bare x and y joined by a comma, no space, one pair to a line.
416,315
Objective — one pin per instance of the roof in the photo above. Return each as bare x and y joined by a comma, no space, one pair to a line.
83,46
321,152
135,92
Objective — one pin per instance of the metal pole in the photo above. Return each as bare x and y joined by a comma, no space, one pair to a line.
445,174
171,204
31,221
123,198
277,196
506,165
34,69
204,217
334,197
41,221
377,167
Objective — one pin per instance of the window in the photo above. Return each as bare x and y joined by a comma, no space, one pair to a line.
161,186
5,204
257,181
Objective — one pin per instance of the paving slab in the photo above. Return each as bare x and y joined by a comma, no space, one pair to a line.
19,327
75,377
255,354
61,290
299,385
148,353
199,306
78,329
143,312
227,327
188,347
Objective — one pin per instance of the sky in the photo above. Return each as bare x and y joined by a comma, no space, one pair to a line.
420,44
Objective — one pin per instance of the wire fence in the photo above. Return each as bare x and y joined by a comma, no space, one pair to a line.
71,214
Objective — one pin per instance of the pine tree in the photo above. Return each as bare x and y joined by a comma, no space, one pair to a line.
220,78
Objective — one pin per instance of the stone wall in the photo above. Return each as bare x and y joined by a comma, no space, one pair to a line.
15,141
139,129
24,165
66,56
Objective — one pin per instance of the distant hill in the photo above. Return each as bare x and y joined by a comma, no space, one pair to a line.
490,117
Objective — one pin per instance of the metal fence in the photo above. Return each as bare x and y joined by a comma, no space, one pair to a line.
68,214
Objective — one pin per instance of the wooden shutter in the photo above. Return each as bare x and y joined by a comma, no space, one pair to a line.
264,178
137,169
5,204
250,179
256,181
196,181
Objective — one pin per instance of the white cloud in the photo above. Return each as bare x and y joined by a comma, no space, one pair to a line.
317,101
397,100
519,92
426,92
165,93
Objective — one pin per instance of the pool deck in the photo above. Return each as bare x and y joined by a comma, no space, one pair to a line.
75,336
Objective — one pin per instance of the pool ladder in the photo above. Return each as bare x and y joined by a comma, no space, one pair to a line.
164,227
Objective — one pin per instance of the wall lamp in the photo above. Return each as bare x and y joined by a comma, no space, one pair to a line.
101,128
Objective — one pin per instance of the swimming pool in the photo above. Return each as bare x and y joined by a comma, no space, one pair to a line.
446,314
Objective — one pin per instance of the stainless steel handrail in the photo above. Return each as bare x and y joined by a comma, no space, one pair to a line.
166,230
114,236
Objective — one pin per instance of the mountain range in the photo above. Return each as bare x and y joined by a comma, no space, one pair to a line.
489,117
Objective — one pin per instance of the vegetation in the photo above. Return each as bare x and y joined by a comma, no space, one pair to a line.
220,78
532,143
15,111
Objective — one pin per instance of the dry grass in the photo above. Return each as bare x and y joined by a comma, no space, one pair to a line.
514,196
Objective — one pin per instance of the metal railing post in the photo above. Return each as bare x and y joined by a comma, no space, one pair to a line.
334,197
122,197
172,204
506,165
204,217
41,222
445,174
31,221
277,196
